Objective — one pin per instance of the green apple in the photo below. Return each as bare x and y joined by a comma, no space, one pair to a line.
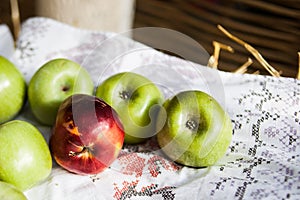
196,132
12,90
25,158
137,100
10,192
52,84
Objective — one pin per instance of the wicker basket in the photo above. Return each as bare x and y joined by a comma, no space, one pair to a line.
271,26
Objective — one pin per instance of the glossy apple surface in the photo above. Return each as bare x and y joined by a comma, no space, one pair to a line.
87,136
10,192
197,130
12,90
137,101
25,158
52,84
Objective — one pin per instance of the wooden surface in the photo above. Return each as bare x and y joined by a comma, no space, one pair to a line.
271,26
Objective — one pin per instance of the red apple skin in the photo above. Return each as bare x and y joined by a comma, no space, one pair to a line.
87,136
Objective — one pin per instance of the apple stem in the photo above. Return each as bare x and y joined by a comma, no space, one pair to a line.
124,95
65,88
191,124
84,150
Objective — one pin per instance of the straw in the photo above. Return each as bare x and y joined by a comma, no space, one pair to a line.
15,16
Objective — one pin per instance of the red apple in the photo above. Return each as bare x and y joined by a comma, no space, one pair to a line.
87,136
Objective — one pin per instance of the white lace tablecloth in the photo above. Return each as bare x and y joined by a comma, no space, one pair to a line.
262,162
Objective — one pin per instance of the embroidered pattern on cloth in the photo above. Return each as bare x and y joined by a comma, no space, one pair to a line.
262,162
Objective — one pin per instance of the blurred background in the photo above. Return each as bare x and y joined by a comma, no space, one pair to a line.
271,26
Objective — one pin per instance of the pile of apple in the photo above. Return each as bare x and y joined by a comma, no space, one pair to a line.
90,126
